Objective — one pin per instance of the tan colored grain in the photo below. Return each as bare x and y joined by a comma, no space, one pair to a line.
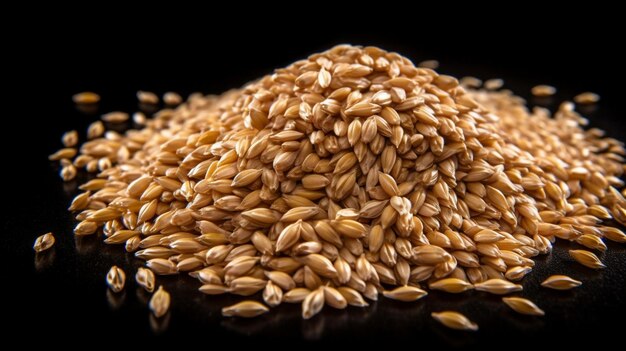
160,302
523,306
451,285
498,286
587,259
405,293
543,90
296,295
95,130
172,98
493,84
560,282
44,242
145,278
313,303
65,153
586,98
85,98
147,97
116,278
272,294
246,309
454,320
432,64
70,139
213,289
115,117
591,241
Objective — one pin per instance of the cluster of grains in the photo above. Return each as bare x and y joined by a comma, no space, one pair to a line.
346,175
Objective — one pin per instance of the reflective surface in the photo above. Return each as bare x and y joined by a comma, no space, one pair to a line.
63,291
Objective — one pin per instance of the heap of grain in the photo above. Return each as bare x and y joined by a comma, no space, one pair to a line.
348,174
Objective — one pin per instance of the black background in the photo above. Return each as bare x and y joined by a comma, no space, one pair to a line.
62,294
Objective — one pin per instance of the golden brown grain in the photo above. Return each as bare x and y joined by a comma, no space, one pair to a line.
523,306
147,97
405,293
246,309
560,282
160,302
145,278
587,98
44,242
586,258
172,98
543,90
86,97
116,278
454,320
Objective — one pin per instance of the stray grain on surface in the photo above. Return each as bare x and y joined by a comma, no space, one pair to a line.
44,242
454,320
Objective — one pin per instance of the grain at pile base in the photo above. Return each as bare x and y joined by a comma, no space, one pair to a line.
543,90
345,175
586,98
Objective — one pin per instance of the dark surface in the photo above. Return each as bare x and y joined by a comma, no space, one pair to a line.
62,293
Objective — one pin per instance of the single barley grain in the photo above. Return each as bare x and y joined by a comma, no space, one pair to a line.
145,278
246,309
493,84
454,320
160,302
147,97
451,285
70,139
523,306
313,303
115,117
543,90
498,286
405,293
43,242
586,98
561,282
86,97
587,259
432,64
171,98
116,278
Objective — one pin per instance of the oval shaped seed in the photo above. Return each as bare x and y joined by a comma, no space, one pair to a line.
44,242
116,279
313,303
246,309
592,242
561,282
454,320
523,306
498,286
86,97
451,285
213,289
587,259
334,298
145,278
296,295
405,293
160,302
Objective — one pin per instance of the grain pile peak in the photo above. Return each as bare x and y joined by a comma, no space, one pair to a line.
351,174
